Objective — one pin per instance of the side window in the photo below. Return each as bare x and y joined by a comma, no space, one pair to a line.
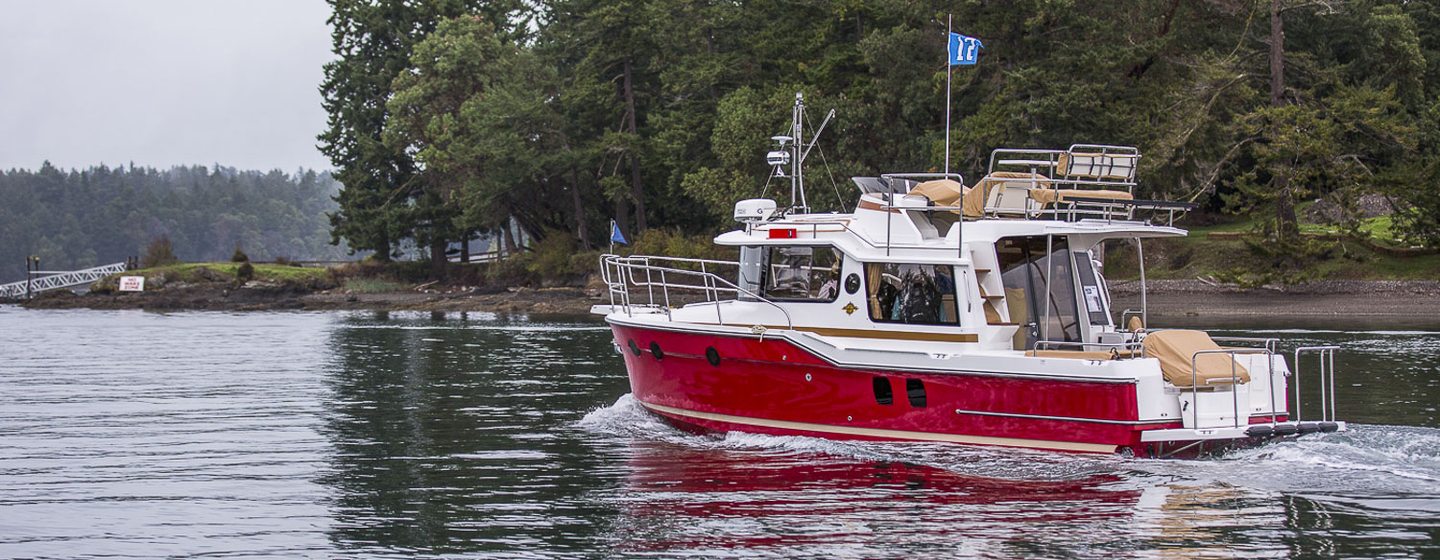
1092,292
799,273
921,294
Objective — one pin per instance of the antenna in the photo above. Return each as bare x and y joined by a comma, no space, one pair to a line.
791,150
797,175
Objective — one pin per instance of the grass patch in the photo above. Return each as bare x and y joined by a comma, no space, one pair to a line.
360,285
224,272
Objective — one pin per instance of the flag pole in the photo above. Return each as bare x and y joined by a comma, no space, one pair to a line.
949,69
612,236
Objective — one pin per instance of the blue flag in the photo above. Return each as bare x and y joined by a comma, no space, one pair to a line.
964,51
615,235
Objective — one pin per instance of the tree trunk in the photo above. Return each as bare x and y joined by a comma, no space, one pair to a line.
1277,55
382,250
580,230
438,261
637,189
510,237
1287,228
465,249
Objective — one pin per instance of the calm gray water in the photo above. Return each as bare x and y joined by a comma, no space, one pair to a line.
134,434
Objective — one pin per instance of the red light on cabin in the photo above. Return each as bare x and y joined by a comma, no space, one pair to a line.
786,233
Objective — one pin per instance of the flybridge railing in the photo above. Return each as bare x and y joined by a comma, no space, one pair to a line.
647,274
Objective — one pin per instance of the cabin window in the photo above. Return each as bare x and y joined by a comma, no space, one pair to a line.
803,273
922,294
1092,290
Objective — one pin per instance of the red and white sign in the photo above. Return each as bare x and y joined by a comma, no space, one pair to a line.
132,283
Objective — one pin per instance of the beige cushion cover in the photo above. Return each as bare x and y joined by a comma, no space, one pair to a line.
1174,348
945,192
1050,196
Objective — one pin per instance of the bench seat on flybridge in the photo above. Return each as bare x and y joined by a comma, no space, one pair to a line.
1174,349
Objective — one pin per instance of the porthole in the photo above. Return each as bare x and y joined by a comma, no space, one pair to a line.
915,391
883,393
713,356
852,284
634,348
655,349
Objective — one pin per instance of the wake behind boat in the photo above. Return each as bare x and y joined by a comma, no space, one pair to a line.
941,311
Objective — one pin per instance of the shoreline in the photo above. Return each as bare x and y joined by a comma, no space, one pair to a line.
1170,302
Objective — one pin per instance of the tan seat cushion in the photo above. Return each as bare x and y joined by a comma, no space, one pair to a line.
1062,195
1175,348
1097,166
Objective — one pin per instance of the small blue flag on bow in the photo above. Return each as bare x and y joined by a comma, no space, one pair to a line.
615,235
964,51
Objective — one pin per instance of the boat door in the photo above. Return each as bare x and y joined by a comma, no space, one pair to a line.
1039,277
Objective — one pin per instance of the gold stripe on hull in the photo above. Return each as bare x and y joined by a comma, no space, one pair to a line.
885,434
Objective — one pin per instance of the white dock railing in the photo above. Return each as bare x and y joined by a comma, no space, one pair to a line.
55,279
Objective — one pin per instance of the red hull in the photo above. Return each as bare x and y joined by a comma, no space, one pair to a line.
771,386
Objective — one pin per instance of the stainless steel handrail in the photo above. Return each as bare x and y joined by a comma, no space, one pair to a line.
1114,346
624,277
1234,381
1327,369
1271,345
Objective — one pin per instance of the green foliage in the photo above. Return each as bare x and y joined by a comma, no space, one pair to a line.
658,113
99,215
239,256
159,252
245,272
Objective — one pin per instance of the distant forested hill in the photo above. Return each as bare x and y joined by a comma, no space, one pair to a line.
80,218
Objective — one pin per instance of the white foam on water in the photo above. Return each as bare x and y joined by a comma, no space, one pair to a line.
627,418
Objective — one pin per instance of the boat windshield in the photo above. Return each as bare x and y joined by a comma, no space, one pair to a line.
1048,310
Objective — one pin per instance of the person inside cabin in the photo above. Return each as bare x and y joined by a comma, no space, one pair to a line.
919,300
830,288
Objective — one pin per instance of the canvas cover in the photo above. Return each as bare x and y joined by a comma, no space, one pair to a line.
1062,195
945,192
1174,348
988,192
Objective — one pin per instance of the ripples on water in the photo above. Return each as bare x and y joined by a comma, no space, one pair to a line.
131,434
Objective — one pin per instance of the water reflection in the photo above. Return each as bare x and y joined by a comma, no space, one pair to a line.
447,433
131,434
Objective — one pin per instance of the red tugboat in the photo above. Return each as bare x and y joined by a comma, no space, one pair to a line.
941,311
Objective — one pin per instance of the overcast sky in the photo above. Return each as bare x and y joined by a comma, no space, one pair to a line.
162,82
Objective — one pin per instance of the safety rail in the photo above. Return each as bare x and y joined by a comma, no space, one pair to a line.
1234,382
1326,355
622,273
1134,349
1097,166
